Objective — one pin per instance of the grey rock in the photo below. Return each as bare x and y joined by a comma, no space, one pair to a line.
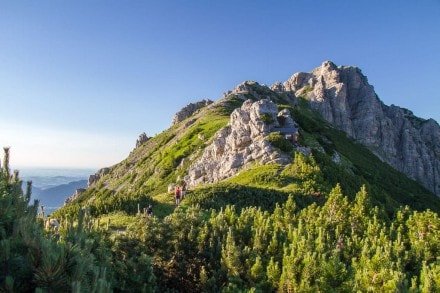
336,158
344,97
278,87
143,138
98,175
241,142
75,195
285,119
189,110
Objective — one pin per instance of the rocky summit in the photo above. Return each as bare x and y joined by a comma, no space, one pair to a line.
343,96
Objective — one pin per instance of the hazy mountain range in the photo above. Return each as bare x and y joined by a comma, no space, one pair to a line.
52,186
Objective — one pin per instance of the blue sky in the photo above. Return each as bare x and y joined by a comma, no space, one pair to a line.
80,80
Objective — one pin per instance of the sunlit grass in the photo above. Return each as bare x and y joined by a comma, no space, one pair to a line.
115,221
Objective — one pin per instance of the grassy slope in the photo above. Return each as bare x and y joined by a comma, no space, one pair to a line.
145,175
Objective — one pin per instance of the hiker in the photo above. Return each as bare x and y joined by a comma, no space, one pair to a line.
177,193
150,210
183,191
52,224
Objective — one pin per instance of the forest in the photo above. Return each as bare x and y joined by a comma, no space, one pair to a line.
334,243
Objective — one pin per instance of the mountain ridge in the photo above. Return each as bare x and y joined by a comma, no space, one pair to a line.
155,166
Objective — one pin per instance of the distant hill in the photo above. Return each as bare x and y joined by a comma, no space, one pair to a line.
54,196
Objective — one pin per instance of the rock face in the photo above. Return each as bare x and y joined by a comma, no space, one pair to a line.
189,110
239,143
74,196
143,138
344,97
98,175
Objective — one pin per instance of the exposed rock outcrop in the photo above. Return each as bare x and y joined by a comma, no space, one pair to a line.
278,87
98,175
241,142
189,110
344,97
74,196
143,138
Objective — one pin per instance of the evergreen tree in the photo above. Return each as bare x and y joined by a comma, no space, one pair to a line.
273,273
231,259
29,260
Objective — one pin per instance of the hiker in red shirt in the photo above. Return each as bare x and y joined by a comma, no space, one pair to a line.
178,193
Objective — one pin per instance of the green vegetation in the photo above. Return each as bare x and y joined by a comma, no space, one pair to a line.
332,245
267,118
36,260
305,90
277,140
258,175
308,226
145,175
220,195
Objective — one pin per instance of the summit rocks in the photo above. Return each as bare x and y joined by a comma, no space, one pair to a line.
241,142
343,96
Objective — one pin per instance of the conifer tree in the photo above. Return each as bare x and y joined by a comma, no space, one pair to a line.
28,260
273,273
6,169
231,258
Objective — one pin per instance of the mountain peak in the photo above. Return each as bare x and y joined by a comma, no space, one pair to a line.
329,65
218,140
343,96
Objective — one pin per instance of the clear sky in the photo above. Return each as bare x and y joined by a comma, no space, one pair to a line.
80,80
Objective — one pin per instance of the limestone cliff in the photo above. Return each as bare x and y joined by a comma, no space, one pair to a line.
344,97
